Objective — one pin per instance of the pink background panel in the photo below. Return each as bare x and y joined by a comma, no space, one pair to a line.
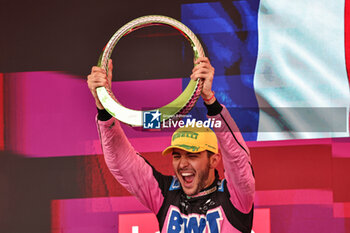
53,113
118,214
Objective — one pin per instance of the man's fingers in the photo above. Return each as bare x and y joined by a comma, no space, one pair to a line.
202,75
110,64
201,59
194,77
96,69
100,75
200,66
96,80
203,66
203,70
97,75
199,74
94,83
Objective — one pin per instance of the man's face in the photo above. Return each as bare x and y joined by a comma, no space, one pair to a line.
192,170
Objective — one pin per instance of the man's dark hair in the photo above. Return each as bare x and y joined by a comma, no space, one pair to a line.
209,153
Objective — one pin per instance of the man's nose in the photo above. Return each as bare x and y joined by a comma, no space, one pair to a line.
183,162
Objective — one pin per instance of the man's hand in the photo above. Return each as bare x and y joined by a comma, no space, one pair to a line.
205,71
99,78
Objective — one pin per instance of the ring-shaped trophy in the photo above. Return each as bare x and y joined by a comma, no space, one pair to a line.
178,107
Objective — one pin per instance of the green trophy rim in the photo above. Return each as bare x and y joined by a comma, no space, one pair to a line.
181,105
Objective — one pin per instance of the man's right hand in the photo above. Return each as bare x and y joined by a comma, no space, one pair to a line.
99,78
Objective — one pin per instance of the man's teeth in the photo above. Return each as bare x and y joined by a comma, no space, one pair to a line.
187,174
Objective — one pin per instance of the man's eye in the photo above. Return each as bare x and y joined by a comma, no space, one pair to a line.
192,155
176,156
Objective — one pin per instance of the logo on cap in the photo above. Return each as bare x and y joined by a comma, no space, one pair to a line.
188,147
187,134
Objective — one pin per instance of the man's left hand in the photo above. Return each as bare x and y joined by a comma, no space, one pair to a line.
205,71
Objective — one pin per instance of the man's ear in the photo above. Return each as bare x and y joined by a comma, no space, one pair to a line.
214,160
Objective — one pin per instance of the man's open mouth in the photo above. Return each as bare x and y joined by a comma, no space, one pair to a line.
188,177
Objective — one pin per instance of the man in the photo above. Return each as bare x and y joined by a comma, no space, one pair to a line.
194,200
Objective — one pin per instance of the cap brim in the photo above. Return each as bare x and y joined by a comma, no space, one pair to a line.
169,149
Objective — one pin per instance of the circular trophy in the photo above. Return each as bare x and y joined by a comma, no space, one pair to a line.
181,105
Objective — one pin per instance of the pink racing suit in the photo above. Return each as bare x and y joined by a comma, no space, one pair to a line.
227,206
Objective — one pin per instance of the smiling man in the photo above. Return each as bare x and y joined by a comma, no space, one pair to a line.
194,200
195,157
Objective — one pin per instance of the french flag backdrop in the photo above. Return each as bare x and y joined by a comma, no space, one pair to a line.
283,62
281,69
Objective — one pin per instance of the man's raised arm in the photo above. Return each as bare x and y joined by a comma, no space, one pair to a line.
235,153
126,165
236,158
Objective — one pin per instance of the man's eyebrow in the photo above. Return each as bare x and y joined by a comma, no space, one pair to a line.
192,153
175,153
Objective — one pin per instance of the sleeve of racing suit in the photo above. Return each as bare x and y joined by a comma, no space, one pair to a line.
236,158
126,165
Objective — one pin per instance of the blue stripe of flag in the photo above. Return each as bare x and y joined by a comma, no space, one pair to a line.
229,34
